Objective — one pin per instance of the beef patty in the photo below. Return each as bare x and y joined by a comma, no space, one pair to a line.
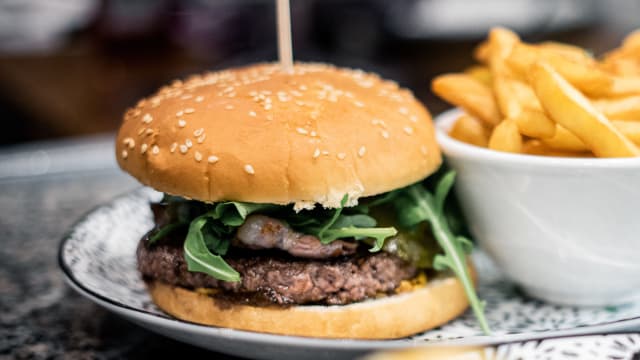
279,278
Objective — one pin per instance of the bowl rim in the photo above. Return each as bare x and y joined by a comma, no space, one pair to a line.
456,148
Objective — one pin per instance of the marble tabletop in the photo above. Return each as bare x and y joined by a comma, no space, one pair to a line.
44,189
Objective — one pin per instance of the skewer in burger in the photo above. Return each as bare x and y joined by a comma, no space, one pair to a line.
294,204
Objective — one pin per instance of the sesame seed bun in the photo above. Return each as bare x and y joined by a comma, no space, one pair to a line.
400,315
259,134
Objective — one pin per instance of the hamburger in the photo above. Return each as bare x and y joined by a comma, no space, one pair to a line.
295,204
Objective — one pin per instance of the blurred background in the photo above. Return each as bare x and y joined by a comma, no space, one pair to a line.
70,68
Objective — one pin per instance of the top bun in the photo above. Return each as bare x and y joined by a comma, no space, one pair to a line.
259,134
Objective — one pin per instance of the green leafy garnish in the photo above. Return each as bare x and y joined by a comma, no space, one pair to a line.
209,235
198,256
414,205
357,226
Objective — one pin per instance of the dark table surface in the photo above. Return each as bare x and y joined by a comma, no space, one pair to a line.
44,189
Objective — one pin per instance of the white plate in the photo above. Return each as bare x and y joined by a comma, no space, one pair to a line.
98,260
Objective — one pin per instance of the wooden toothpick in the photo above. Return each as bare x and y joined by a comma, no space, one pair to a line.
285,51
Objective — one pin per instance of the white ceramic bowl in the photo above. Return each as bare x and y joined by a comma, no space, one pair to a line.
566,229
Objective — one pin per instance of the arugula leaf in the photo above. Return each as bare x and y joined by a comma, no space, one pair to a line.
233,213
357,226
378,234
208,238
416,205
198,256
333,219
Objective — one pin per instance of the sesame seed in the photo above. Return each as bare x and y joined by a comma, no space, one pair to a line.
303,87
252,113
182,123
147,118
143,148
342,156
198,132
201,138
229,107
316,153
125,154
267,106
129,142
362,151
197,156
188,142
149,132
358,104
313,133
403,110
141,131
424,150
186,96
173,147
379,122
302,131
189,111
385,134
155,150
180,113
325,152
212,159
184,149
249,169
199,98
413,118
408,130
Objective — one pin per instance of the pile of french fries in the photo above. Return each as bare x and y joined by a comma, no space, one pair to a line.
548,99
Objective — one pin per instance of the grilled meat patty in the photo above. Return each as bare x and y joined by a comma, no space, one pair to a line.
281,278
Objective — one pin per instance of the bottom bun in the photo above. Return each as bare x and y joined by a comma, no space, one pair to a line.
423,308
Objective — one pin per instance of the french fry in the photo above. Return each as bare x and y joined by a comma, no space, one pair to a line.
627,108
630,129
622,66
625,60
508,104
470,130
618,86
480,73
470,94
481,53
564,140
585,76
525,95
572,52
569,108
501,42
632,42
537,147
506,137
514,96
534,123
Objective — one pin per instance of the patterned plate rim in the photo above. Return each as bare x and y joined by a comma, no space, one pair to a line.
320,343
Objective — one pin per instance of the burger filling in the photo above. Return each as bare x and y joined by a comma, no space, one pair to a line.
267,254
